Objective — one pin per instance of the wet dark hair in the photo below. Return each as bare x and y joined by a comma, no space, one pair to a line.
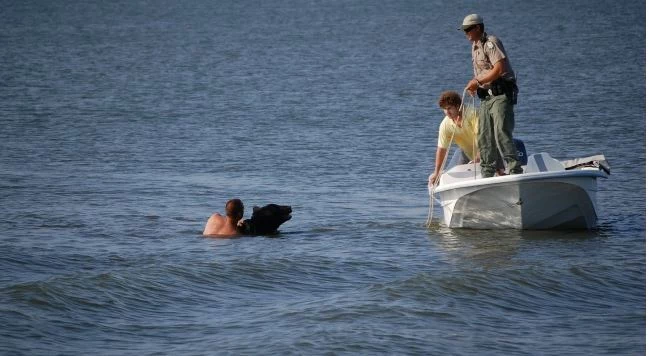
449,98
234,208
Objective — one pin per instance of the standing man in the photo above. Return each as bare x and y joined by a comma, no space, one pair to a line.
494,82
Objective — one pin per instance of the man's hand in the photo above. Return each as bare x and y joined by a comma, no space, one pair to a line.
472,86
432,179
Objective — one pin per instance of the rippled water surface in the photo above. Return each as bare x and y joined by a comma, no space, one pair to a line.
125,124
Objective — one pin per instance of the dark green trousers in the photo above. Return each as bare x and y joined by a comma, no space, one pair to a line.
496,117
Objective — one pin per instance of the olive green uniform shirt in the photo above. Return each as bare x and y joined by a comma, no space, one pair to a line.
488,51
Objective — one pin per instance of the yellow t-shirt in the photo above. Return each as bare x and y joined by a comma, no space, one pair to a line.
465,136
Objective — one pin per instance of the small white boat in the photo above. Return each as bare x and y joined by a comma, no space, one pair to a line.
549,194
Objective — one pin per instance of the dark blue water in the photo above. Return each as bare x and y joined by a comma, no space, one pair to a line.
125,124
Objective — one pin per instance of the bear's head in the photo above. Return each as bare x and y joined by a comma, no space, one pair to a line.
267,219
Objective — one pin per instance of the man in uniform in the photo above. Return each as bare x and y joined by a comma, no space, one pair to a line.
494,82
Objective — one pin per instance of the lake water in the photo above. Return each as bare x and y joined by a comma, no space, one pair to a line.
125,124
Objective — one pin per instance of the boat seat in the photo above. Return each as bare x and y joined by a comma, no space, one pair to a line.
542,162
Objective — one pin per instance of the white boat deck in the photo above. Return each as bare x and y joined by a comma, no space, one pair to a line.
540,166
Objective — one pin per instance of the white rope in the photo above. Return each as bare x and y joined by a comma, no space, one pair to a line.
431,207
475,138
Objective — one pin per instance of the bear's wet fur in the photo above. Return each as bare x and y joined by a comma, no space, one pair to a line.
266,220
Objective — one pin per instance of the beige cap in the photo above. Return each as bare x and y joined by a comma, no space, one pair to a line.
470,20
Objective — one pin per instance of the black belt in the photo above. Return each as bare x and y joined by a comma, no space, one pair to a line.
486,94
498,87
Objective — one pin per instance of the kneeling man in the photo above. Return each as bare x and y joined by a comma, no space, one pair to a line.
458,125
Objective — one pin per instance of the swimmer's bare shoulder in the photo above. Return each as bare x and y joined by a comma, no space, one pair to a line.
214,224
217,226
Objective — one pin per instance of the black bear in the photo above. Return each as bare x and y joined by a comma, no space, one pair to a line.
266,220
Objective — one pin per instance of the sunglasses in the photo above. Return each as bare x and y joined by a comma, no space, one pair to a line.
470,28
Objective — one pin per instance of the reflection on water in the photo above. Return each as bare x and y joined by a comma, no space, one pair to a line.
484,248
499,248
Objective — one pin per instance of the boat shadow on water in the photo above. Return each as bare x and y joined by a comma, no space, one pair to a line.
488,249
439,230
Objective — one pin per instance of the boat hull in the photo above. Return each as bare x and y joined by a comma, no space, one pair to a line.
552,200
549,195
523,205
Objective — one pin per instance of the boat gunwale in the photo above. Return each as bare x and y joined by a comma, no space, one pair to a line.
518,178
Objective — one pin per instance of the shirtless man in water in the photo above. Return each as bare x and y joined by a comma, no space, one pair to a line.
217,225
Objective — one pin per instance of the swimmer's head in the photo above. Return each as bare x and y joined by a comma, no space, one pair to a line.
234,209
